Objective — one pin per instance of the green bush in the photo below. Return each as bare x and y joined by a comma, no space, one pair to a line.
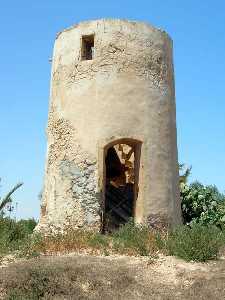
28,225
202,204
196,243
13,235
131,236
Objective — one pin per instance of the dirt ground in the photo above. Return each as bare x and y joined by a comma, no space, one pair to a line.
129,278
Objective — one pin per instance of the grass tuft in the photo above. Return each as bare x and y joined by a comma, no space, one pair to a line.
134,239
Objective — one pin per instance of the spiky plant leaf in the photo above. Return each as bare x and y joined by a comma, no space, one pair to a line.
7,199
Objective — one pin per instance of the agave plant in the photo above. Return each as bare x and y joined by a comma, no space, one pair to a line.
7,199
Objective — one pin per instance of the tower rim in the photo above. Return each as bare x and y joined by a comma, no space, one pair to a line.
122,20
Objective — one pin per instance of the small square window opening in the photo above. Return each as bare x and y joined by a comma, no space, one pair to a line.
87,50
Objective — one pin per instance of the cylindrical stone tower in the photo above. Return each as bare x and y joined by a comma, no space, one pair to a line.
112,149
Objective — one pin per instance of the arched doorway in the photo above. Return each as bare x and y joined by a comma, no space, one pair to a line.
121,174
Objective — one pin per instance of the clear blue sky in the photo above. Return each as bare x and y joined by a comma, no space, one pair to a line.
28,30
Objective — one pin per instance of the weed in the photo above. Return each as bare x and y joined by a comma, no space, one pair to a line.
98,240
197,243
137,239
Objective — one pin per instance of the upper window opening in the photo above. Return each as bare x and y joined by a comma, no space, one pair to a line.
87,51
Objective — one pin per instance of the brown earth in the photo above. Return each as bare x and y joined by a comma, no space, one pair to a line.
117,277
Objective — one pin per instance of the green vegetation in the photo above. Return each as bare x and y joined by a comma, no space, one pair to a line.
135,239
14,235
202,204
196,243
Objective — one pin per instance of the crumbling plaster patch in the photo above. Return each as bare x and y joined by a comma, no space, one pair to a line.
76,190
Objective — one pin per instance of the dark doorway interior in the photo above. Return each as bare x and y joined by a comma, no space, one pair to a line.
120,185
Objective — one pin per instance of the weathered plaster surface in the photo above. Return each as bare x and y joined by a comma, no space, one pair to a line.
126,91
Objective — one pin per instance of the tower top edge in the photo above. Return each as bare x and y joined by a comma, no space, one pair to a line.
112,21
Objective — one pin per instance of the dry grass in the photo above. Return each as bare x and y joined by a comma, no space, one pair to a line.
199,243
71,240
127,241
